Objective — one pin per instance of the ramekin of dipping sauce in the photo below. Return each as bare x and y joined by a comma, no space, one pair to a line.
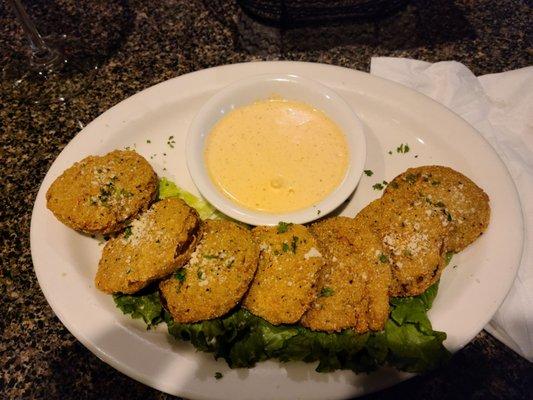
276,148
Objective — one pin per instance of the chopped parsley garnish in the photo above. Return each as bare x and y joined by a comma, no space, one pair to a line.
411,178
394,185
218,375
171,142
383,258
368,172
326,292
210,256
378,186
283,226
407,253
318,212
440,204
123,192
127,232
201,275
390,151
294,243
285,247
385,183
148,141
180,274
435,183
106,192
402,148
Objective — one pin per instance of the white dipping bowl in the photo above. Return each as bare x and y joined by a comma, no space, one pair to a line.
261,87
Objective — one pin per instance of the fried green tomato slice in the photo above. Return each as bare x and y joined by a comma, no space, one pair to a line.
217,275
465,205
354,284
414,235
157,243
100,194
285,283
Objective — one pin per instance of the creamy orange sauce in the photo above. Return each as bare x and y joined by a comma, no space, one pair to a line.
276,155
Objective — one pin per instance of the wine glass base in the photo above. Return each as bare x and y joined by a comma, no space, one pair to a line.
26,81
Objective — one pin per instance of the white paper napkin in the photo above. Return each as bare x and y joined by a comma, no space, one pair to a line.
500,107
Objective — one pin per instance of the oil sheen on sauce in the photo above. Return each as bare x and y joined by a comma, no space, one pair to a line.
276,155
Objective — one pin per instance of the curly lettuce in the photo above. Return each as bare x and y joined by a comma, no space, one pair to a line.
408,342
205,210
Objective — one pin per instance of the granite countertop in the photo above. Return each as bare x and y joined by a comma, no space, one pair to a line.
138,44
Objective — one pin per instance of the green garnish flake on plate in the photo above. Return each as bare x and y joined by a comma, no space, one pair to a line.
403,148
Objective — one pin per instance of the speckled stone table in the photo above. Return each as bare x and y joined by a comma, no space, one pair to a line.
138,44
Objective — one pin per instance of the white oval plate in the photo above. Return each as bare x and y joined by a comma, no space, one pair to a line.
65,261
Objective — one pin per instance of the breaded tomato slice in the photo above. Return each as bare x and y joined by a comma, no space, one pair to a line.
354,285
464,204
217,275
285,283
413,234
157,243
100,194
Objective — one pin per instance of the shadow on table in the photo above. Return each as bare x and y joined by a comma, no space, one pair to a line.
421,23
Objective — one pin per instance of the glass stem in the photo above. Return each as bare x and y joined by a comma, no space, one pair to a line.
42,55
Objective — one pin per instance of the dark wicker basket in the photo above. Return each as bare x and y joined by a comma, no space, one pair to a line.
290,12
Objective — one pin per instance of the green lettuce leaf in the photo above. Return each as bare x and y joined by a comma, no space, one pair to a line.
205,210
145,306
408,342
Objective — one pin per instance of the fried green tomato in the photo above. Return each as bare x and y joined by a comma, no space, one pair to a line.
466,206
217,275
354,284
100,194
155,244
285,283
414,237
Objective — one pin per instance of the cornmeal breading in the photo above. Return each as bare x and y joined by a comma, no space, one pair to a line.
100,194
158,242
217,275
463,203
285,283
414,237
354,285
